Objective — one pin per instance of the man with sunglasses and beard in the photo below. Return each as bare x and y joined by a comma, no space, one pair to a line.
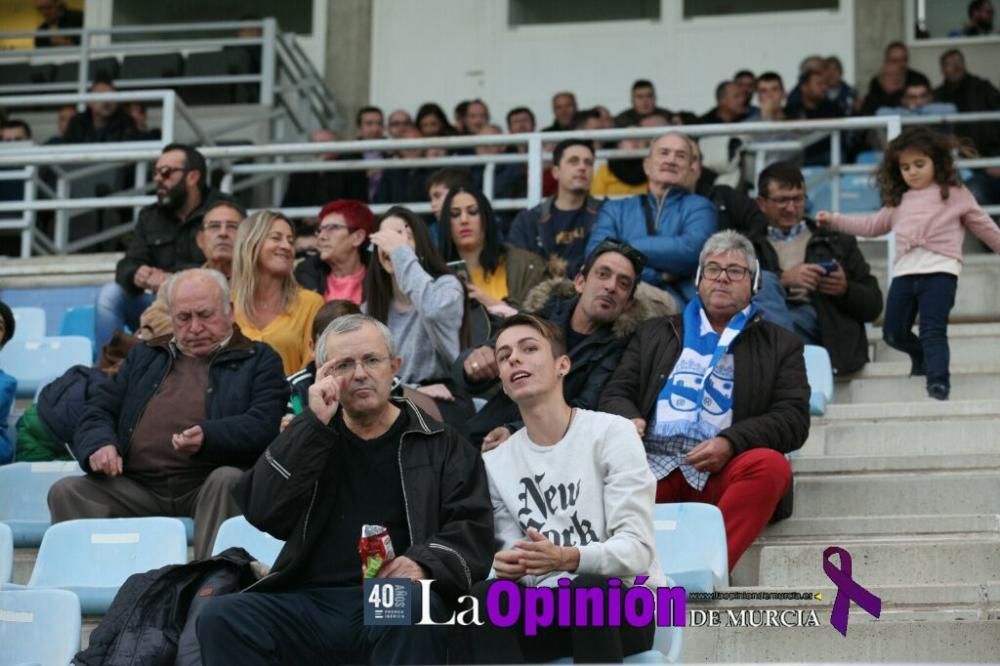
163,242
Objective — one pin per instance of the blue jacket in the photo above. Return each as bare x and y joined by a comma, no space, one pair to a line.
246,400
683,223
8,389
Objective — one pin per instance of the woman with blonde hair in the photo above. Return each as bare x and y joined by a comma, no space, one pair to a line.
269,305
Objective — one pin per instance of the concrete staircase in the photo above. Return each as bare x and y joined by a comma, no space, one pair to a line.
911,488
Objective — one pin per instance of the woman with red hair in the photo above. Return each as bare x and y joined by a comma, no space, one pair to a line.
338,272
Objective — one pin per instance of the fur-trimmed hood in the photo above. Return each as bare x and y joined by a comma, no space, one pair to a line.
647,303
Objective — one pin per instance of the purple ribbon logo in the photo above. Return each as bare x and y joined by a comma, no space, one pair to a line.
848,590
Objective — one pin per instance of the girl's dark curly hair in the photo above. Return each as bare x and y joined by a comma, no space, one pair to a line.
935,145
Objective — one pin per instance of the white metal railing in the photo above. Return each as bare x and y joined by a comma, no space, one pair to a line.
535,148
286,78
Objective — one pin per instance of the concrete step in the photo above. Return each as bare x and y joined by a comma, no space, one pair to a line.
924,561
968,386
950,410
977,298
63,271
862,527
948,436
917,623
888,494
969,343
917,641
951,462
890,369
24,562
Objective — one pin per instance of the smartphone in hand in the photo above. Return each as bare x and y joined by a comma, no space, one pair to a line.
459,268
829,266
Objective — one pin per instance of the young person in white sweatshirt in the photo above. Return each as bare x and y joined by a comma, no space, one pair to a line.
572,498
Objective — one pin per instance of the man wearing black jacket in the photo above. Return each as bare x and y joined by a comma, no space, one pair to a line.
355,457
164,240
167,435
597,312
815,282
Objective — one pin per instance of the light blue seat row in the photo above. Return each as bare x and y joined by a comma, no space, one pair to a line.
93,557
35,361
24,491
236,531
29,323
691,545
38,626
820,374
6,553
79,321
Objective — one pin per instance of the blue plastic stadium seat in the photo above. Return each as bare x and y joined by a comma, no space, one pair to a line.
24,490
29,323
236,531
38,626
858,194
35,362
869,157
188,529
93,557
6,553
79,321
820,194
820,374
691,545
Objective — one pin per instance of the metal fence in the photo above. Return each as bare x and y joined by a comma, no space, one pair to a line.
268,164
287,81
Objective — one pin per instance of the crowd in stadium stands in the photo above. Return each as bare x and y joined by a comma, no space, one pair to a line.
447,376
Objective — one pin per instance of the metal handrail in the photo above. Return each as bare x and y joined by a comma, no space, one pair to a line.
534,153
278,52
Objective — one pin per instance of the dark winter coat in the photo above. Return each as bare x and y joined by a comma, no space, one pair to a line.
593,360
770,392
151,620
841,318
246,399
447,502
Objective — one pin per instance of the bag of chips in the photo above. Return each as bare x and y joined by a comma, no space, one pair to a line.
375,549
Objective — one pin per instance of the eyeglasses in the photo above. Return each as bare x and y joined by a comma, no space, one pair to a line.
714,271
781,202
638,259
216,225
347,367
328,228
166,171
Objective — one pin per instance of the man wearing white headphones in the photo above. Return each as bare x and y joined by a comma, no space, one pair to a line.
718,396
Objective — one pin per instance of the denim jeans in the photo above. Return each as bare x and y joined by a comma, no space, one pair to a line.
799,318
932,296
116,308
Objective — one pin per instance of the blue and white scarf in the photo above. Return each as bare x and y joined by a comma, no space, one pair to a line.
696,403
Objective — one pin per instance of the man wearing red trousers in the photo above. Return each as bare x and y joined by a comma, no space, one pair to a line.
718,396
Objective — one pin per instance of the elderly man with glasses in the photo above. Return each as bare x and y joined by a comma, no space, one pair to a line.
163,242
718,396
355,457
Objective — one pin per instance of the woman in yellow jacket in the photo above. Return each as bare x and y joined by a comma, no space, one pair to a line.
269,305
